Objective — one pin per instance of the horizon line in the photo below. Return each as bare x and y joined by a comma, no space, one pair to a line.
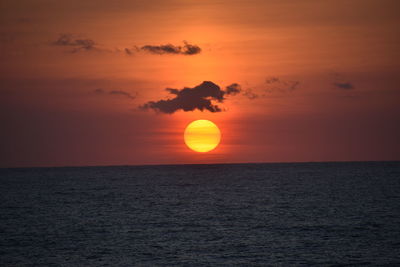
198,164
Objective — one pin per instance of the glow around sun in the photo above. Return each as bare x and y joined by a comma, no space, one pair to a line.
202,136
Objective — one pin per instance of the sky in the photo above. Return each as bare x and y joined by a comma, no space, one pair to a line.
116,82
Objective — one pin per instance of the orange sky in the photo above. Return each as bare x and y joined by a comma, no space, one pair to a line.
324,76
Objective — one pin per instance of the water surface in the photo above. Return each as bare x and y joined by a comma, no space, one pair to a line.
211,215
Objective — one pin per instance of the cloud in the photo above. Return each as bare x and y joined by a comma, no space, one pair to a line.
128,51
201,97
188,99
344,85
101,91
122,93
250,94
79,44
233,89
340,81
76,44
275,84
272,84
272,80
186,49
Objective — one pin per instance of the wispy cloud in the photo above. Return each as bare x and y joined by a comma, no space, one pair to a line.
341,83
236,89
101,91
275,84
344,85
122,93
76,44
186,49
128,51
250,94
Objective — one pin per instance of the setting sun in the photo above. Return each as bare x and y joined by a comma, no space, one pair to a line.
202,136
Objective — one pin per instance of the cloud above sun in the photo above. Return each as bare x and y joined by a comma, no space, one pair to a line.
207,96
201,97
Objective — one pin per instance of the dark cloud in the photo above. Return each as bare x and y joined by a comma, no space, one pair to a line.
186,49
233,89
76,44
100,91
201,97
162,49
189,99
344,85
275,84
189,49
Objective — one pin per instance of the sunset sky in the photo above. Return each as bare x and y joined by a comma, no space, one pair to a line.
82,82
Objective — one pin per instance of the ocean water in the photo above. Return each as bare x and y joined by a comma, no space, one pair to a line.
323,214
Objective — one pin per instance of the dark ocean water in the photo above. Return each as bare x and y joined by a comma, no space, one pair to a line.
202,215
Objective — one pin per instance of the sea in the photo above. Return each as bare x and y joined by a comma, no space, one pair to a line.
276,214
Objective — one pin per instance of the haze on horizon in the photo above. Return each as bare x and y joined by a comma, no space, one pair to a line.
100,83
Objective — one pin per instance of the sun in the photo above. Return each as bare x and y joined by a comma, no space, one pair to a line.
202,136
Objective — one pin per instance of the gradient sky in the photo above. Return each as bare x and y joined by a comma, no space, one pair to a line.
319,80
